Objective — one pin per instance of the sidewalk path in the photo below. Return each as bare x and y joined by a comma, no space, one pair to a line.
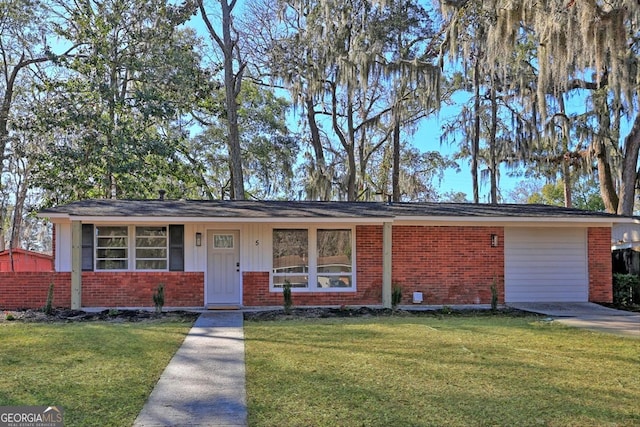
204,383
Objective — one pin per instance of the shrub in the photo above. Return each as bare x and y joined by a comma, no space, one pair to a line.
396,296
286,295
626,289
158,298
494,296
48,307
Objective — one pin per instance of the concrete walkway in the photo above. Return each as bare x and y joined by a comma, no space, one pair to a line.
204,383
587,315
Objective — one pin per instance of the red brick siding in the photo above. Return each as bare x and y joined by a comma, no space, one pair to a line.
136,289
449,265
600,268
127,289
255,285
29,290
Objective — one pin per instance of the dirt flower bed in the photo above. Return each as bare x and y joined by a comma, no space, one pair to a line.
113,315
323,313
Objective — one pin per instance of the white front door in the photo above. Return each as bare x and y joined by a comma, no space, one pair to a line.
223,267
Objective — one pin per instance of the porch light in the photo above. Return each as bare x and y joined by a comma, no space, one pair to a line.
198,239
494,241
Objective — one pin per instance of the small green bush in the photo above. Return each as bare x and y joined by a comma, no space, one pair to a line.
626,289
286,295
48,307
396,296
158,298
9,317
494,297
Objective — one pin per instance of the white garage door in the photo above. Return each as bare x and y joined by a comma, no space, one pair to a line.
546,264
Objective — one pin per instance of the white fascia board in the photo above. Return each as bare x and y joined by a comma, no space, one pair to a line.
192,220
505,221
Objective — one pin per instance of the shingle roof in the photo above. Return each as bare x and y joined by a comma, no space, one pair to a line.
308,209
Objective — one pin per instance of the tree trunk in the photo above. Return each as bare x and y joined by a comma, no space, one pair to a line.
605,178
18,211
629,171
396,160
566,166
233,84
492,145
475,143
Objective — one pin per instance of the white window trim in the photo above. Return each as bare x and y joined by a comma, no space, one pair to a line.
131,248
312,274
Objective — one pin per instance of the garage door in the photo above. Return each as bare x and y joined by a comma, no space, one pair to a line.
546,264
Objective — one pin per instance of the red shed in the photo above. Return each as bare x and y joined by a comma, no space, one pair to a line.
25,261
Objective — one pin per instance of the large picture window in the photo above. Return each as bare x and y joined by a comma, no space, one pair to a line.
313,259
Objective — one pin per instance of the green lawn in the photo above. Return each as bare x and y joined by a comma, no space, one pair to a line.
452,371
100,373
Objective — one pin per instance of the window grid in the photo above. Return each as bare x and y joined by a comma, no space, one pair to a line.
115,251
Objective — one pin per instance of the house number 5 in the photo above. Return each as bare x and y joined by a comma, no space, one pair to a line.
257,242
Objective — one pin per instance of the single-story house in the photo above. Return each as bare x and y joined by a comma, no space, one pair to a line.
114,253
22,260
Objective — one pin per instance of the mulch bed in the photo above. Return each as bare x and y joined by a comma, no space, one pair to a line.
68,315
323,313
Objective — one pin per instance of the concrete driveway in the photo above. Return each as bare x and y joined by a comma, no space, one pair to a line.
587,315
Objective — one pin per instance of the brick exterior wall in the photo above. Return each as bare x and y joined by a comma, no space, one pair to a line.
600,265
136,289
101,289
29,290
449,265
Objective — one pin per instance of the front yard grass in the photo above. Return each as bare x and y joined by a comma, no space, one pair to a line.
100,373
427,371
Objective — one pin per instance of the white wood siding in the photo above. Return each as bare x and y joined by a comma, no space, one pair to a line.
63,247
546,264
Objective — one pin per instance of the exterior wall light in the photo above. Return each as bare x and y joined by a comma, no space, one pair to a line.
198,239
494,241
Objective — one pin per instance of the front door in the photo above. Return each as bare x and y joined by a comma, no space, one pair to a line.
223,268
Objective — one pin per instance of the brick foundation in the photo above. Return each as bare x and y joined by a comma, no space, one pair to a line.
101,289
600,267
28,290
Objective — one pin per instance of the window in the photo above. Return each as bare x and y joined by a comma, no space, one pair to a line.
223,241
290,258
313,259
334,259
112,248
151,248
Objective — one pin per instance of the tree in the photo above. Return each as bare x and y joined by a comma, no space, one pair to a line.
233,68
585,192
23,31
338,61
587,45
132,72
268,149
